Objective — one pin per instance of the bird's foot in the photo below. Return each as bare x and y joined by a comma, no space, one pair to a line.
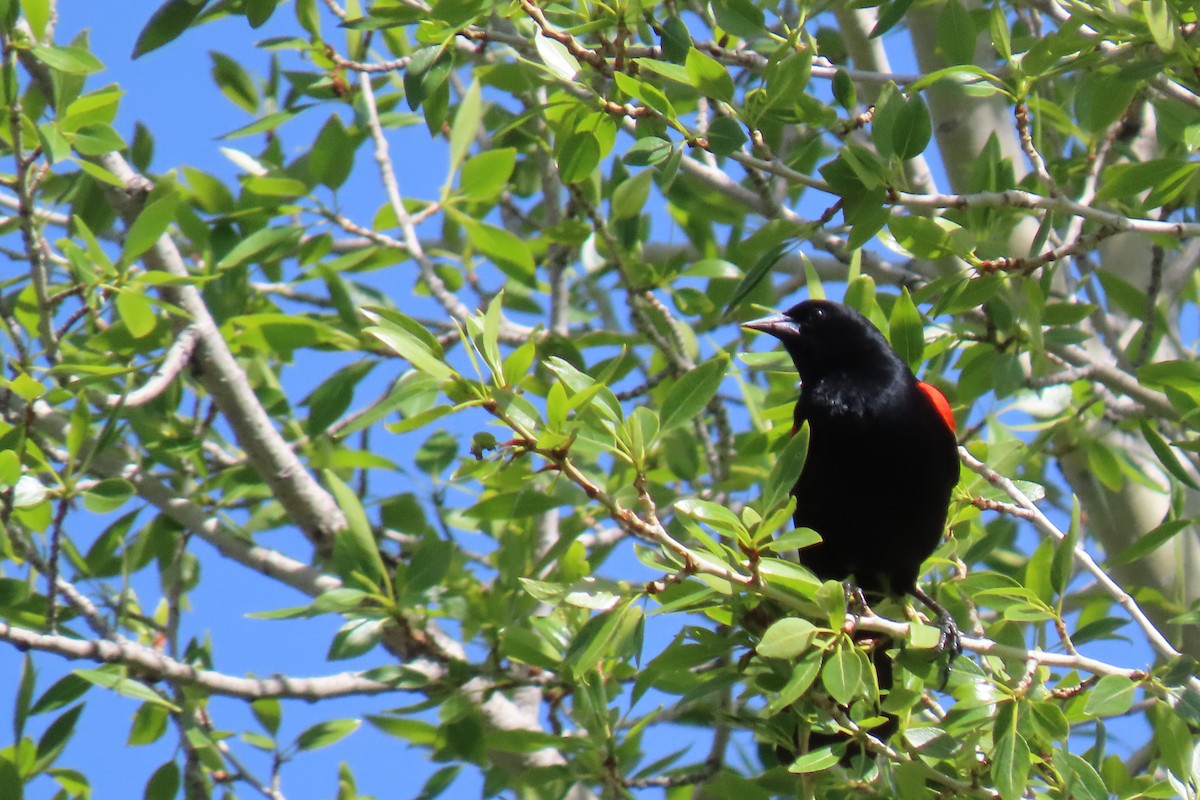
949,638
856,601
950,643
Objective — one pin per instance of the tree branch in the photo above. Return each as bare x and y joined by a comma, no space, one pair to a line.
153,665
309,506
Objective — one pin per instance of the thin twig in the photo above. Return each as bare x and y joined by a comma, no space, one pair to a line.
174,362
387,174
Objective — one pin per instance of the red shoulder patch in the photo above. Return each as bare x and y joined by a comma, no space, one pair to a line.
940,403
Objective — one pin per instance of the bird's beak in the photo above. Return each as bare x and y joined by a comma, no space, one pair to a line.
778,325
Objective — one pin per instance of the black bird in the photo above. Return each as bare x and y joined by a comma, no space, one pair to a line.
882,461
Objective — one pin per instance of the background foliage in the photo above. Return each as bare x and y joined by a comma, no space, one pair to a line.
455,424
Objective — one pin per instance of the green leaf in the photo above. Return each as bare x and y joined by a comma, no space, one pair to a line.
913,128
1173,738
844,92
1112,696
10,467
715,515
126,686
355,542
259,11
709,76
786,471
645,91
923,637
355,638
1010,765
530,647
100,173
263,245
891,13
25,687
931,238
269,712
11,782
816,760
96,140
94,108
72,60
485,175
149,725
604,636
1166,456
415,349
136,311
787,638
725,136
784,574
804,673
578,155
1126,180
692,392
556,57
1183,375
761,269
164,783
906,330
66,690
465,127
309,17
956,33
1147,543
268,124
795,539
507,251
1001,37
1063,561
842,674
333,396
57,736
37,14
648,151
740,17
1085,783
427,566
667,69
150,224
167,24
630,196
235,83
326,733
108,495
1101,98
332,155
272,186
414,731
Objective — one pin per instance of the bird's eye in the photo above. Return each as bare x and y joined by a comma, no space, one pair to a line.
818,313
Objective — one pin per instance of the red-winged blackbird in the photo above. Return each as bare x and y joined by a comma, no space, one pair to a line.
882,460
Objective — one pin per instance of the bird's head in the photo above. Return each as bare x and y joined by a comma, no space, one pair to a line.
824,338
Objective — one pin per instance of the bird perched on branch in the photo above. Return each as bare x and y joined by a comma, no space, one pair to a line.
882,460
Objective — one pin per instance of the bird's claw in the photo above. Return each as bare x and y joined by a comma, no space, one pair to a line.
949,639
950,643
856,601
